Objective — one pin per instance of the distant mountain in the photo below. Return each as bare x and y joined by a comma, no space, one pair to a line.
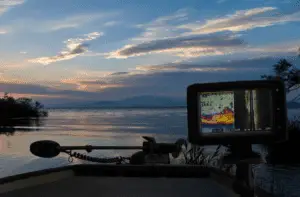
293,105
143,101
138,101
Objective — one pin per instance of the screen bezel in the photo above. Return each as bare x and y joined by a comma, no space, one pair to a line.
278,132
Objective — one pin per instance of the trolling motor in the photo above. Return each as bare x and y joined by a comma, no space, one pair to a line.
151,151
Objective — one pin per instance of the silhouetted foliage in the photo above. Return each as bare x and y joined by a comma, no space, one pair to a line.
11,108
287,72
197,155
278,153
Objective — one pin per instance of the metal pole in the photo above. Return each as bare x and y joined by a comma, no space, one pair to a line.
88,147
244,173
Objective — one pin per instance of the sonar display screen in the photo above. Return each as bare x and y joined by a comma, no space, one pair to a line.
235,111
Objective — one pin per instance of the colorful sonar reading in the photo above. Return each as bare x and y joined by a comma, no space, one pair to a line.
217,111
226,117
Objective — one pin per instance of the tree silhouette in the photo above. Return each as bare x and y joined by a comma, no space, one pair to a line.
287,72
277,153
11,108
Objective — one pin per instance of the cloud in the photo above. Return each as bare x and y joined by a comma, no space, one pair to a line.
162,27
89,80
176,24
172,34
11,2
74,48
110,23
254,65
36,96
195,46
132,79
180,68
97,85
165,80
187,46
159,79
75,21
3,31
278,49
221,1
285,49
79,20
5,5
242,20
7,80
47,95
119,73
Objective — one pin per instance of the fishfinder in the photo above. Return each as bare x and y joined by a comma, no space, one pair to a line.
252,112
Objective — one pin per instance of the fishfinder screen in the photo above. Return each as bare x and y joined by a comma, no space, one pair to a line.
234,112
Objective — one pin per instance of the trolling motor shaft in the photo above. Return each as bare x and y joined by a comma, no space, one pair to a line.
49,149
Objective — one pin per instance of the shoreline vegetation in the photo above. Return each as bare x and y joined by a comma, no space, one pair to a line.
278,152
22,108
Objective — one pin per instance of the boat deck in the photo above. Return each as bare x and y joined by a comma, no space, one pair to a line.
125,187
108,181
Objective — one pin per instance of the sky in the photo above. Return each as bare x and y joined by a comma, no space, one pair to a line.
93,50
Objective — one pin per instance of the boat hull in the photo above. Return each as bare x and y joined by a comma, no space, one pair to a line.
116,180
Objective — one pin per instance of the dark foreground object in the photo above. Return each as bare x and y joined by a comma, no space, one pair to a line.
118,180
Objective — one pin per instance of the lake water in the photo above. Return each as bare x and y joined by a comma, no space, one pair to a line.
94,127
113,127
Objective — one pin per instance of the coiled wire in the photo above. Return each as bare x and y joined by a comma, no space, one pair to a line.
118,160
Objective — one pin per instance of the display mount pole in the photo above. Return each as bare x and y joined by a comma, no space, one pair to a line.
244,179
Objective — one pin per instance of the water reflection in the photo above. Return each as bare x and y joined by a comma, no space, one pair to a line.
81,127
9,127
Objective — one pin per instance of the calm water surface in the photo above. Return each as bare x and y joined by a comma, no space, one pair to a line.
94,127
116,127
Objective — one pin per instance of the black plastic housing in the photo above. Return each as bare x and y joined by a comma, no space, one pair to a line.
279,130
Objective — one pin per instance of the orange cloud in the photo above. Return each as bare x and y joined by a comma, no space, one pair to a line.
89,81
17,95
74,47
90,87
12,80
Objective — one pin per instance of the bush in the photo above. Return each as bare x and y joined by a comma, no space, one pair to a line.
11,108
197,155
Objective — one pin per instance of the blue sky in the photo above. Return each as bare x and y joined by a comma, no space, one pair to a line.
70,50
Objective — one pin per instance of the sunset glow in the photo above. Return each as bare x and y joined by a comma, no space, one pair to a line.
105,50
